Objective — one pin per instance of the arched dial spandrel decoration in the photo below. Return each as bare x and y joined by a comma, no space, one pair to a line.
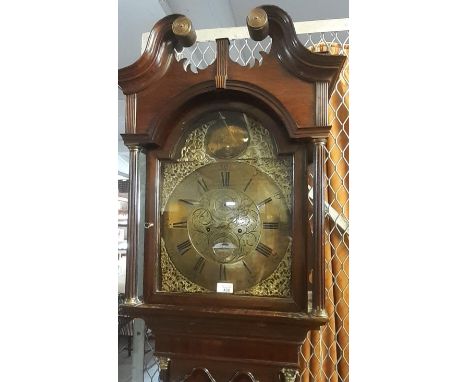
226,209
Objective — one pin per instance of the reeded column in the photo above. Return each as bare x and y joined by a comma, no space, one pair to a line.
318,209
131,296
321,103
131,292
318,237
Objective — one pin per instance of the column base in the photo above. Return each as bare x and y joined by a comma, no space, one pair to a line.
132,301
320,313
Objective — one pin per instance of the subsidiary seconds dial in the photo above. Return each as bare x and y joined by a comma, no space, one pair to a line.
226,222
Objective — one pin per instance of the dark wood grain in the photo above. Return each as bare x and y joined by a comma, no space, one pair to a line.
199,374
156,58
294,56
210,336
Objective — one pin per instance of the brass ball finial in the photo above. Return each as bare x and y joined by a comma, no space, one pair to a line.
182,26
257,18
183,30
257,24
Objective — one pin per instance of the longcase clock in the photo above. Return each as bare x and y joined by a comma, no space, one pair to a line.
233,255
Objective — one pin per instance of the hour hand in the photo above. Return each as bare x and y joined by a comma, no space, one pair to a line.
190,202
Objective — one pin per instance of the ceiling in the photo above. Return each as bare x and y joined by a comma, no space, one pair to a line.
138,17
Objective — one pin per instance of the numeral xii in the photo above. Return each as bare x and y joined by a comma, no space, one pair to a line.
222,272
225,177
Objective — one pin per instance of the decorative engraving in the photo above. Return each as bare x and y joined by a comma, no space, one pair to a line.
278,283
172,174
172,279
260,153
220,240
209,216
194,147
261,143
226,226
279,171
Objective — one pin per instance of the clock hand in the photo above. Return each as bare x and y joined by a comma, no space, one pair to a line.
190,202
223,118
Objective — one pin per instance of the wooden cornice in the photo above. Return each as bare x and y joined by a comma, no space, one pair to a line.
285,83
137,139
286,47
296,58
154,61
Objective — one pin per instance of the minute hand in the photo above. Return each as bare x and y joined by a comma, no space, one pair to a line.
265,201
190,202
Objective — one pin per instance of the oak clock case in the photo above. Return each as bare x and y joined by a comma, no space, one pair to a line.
225,207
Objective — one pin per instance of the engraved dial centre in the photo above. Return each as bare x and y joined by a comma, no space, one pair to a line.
226,226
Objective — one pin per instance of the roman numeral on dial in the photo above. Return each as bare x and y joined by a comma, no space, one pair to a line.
248,184
222,272
202,184
184,247
199,265
225,175
264,250
246,267
179,224
270,225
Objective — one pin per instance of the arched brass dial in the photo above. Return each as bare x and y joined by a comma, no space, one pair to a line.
226,222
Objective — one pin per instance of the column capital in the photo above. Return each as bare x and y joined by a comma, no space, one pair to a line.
289,375
318,141
133,146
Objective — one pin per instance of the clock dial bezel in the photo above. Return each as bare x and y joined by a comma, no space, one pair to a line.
170,151
257,251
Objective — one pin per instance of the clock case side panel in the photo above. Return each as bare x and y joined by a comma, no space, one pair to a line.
173,133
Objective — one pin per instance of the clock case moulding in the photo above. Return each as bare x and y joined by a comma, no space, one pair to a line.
228,333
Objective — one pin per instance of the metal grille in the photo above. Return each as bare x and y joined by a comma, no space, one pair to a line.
326,358
150,362
325,354
123,186
243,51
